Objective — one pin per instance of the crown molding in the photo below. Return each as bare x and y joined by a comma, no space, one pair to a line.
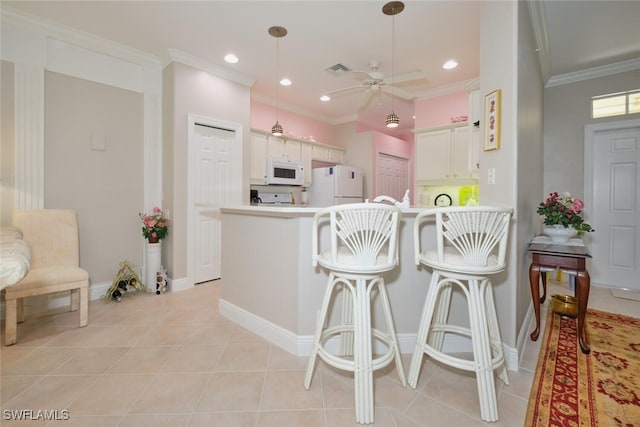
447,89
76,37
177,55
541,37
592,73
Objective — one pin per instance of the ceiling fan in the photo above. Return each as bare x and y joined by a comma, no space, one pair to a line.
374,82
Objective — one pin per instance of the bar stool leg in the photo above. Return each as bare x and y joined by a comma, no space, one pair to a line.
363,372
320,325
391,330
494,330
441,313
346,341
482,352
423,330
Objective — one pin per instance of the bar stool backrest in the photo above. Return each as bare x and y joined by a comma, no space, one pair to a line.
363,237
469,239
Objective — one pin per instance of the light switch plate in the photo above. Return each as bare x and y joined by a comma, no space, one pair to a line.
491,176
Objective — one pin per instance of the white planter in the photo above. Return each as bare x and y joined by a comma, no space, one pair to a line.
153,254
560,234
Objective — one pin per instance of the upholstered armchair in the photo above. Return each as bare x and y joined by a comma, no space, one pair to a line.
52,237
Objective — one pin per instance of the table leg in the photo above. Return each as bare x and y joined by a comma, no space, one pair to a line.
582,295
534,282
543,275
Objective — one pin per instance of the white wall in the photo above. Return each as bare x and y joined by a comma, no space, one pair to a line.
189,90
509,63
529,164
498,70
107,70
567,110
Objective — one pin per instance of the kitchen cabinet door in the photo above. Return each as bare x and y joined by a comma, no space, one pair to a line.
433,153
320,152
460,167
443,155
292,150
276,146
336,156
258,155
305,152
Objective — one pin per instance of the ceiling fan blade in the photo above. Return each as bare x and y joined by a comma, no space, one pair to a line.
399,92
406,77
371,94
344,90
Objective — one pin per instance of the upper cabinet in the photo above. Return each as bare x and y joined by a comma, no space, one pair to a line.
327,154
264,145
443,155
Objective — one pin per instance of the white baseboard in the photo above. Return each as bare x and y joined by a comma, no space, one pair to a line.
300,345
177,285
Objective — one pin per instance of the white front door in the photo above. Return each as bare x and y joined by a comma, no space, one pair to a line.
210,192
392,176
615,244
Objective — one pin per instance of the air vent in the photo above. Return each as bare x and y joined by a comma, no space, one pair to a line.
337,69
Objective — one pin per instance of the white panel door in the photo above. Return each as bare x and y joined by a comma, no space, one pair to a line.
392,176
211,190
615,244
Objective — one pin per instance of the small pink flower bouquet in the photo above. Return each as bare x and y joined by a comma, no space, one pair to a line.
563,209
154,226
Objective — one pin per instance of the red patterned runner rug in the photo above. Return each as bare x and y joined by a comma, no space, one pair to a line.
600,389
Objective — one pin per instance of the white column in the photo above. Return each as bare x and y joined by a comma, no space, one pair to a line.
29,137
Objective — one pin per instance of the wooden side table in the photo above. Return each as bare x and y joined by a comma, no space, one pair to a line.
570,258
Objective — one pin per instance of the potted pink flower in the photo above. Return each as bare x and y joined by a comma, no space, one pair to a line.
154,225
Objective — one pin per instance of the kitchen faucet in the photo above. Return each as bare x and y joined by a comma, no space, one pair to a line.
403,204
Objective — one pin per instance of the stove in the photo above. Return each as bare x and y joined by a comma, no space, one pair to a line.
275,198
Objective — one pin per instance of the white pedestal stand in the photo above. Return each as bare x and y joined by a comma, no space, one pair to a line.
153,264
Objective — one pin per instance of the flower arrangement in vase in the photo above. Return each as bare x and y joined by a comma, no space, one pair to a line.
563,214
154,225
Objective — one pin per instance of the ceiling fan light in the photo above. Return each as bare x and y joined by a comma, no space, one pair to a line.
276,130
393,121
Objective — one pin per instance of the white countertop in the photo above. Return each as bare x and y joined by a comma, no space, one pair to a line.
290,210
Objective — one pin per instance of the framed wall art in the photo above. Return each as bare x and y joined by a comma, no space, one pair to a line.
492,121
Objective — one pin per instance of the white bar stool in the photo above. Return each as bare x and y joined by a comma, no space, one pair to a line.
362,244
471,244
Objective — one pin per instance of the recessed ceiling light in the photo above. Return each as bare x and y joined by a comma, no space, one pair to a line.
285,82
450,65
325,98
231,58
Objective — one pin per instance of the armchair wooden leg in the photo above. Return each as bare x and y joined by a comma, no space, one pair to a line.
11,322
19,310
84,306
75,299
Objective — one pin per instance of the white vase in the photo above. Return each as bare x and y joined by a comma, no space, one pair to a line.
153,264
559,233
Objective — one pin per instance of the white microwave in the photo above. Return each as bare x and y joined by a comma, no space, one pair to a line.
282,171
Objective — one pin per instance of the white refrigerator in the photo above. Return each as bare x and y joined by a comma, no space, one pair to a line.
336,185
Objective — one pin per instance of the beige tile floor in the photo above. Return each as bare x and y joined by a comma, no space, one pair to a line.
172,360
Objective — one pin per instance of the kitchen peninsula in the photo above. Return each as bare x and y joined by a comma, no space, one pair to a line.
270,287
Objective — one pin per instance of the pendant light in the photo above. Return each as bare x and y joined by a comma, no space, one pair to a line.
277,32
392,9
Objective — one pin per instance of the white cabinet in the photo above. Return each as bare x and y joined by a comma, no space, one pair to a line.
306,158
286,148
264,145
443,154
259,149
327,154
